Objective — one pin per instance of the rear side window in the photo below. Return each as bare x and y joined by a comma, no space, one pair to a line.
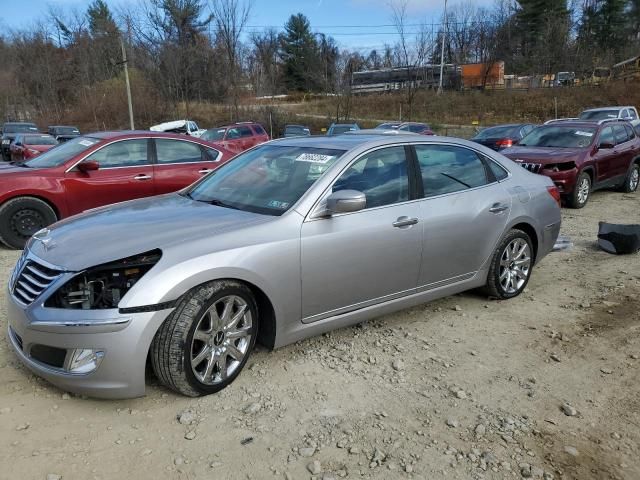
245,132
621,133
498,171
448,169
176,151
126,153
259,130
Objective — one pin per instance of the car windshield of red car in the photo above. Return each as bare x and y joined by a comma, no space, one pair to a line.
39,140
62,153
213,134
559,137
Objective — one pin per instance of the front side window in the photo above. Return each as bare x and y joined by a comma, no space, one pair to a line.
448,169
126,153
607,136
621,133
213,134
381,175
269,179
233,134
177,151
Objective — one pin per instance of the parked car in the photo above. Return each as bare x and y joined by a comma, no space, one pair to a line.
581,156
291,239
62,133
388,126
237,137
9,132
502,136
296,131
606,113
338,128
415,127
184,127
94,170
29,145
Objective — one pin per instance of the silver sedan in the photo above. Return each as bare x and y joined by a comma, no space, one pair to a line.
291,239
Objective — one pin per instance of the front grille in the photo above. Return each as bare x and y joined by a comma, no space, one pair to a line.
532,167
32,280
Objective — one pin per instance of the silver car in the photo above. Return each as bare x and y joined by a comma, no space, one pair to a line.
291,239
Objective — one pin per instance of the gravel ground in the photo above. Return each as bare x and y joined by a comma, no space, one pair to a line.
542,386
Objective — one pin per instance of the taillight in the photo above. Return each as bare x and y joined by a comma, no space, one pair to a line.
504,143
555,193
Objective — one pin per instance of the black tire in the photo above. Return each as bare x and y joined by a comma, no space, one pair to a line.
575,200
494,287
171,349
631,182
21,217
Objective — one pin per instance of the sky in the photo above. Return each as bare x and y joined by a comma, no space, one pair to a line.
355,24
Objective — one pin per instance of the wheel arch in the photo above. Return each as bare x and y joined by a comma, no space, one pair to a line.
46,200
591,171
533,235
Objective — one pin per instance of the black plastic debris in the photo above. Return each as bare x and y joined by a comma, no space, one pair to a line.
618,239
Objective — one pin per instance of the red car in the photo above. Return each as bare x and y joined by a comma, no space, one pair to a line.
237,137
29,145
582,156
95,170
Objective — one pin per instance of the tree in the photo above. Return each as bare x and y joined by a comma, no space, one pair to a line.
299,55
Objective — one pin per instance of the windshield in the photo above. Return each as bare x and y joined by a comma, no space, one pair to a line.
266,180
63,152
19,127
495,132
295,130
213,134
39,140
338,129
599,114
560,137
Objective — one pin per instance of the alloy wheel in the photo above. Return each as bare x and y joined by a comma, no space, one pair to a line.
221,340
634,179
584,189
515,265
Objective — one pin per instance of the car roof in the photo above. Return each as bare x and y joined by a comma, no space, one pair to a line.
135,134
349,142
602,109
343,124
574,123
18,123
35,134
508,125
63,126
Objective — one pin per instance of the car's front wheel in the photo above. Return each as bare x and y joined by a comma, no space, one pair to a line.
511,266
21,217
581,192
204,344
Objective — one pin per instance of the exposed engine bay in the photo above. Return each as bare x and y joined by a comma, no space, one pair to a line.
103,286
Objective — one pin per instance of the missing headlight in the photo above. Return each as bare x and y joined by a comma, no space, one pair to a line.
103,286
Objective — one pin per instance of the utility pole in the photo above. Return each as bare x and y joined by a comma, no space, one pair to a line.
126,79
444,35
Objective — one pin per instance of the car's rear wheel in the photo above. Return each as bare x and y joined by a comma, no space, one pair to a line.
632,180
21,217
204,344
580,195
511,266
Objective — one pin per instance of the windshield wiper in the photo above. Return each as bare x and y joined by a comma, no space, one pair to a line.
220,203
19,164
455,179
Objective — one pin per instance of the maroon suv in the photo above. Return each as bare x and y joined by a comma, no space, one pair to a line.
236,137
582,156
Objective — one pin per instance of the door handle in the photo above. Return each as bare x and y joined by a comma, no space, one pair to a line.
204,171
142,176
404,222
498,208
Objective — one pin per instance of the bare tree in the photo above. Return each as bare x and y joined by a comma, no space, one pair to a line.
230,18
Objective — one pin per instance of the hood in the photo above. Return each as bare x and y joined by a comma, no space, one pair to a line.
10,170
543,155
117,231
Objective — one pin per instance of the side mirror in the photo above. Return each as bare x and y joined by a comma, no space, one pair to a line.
606,145
345,201
88,166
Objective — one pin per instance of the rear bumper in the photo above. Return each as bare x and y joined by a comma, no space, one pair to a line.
123,339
